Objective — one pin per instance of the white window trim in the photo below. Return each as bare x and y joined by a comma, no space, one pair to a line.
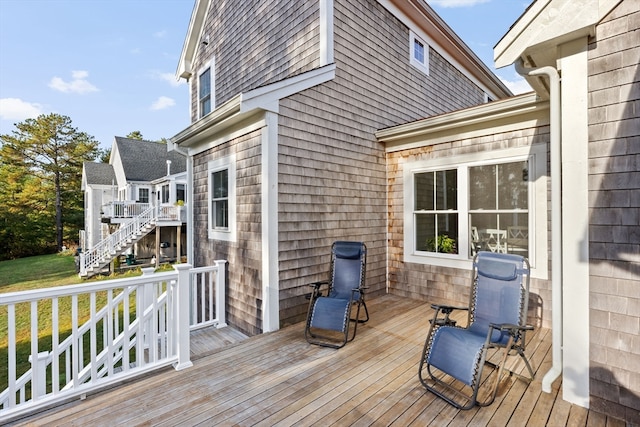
207,66
213,166
537,155
422,66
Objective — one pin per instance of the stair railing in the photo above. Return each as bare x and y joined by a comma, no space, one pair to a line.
109,247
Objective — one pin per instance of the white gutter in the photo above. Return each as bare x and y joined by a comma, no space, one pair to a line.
556,217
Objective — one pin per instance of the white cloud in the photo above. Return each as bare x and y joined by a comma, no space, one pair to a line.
168,77
517,86
160,34
79,83
19,110
162,103
457,3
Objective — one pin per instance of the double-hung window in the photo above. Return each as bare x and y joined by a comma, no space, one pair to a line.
436,211
221,196
220,199
455,207
204,92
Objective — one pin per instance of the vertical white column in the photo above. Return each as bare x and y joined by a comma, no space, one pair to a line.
575,221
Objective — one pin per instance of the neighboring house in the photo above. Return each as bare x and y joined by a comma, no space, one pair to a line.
366,120
286,98
140,175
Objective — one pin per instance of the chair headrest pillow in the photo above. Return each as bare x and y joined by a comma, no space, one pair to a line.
348,250
495,269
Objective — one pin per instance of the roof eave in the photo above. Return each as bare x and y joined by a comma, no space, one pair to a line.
545,25
192,39
429,21
431,130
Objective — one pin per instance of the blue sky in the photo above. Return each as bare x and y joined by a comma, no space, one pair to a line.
110,64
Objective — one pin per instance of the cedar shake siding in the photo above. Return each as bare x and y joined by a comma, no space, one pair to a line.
244,256
614,203
255,43
332,169
332,177
446,285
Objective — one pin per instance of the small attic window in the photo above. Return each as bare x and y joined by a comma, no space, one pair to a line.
419,53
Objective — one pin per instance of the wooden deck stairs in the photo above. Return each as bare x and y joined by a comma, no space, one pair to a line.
116,244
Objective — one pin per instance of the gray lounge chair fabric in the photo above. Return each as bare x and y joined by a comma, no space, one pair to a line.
496,320
330,308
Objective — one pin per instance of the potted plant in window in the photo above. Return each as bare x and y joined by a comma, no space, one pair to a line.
442,244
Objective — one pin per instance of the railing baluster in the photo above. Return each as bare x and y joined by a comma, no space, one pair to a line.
140,339
55,340
109,327
11,314
75,368
125,329
35,367
211,291
93,334
153,329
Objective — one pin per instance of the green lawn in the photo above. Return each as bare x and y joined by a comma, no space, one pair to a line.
42,271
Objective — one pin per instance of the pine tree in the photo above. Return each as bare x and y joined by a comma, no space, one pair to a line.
46,153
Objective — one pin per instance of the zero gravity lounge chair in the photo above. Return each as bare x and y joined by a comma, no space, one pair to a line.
329,314
496,321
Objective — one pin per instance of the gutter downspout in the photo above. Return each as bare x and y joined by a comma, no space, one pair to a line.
556,216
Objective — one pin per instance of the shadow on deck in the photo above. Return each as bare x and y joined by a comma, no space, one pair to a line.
280,379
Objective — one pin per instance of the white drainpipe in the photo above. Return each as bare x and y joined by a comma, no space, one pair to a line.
556,217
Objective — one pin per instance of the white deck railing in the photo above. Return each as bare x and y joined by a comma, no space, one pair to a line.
130,209
119,329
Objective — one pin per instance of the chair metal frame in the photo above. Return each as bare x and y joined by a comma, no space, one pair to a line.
352,293
448,387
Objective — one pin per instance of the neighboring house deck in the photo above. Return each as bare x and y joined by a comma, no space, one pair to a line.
280,379
140,175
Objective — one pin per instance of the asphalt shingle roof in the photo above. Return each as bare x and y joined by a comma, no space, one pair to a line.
99,173
145,160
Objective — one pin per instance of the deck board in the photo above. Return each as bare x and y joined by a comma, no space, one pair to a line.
278,379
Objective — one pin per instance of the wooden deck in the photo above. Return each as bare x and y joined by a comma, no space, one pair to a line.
279,379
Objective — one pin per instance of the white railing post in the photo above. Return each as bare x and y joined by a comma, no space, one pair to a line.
39,374
83,264
221,275
182,329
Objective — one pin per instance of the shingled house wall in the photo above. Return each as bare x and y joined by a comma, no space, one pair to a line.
614,204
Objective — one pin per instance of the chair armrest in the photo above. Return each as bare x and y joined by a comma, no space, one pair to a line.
510,327
447,309
316,288
318,284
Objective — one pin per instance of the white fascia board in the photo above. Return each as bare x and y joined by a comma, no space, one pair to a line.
268,97
547,24
192,40
498,116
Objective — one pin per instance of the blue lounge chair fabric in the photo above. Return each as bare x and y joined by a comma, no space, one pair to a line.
330,309
496,320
